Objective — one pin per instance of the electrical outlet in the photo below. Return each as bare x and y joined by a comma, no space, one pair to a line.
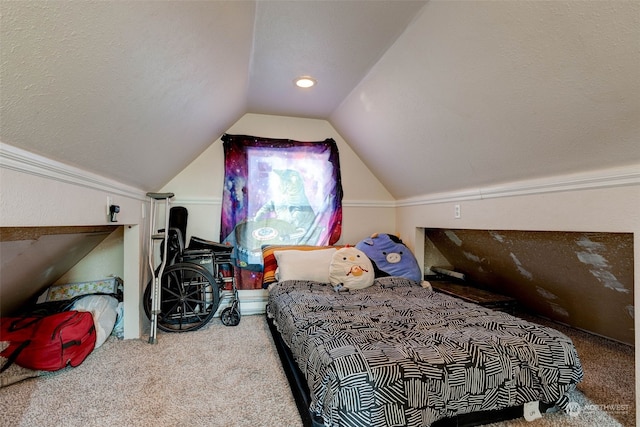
456,211
109,203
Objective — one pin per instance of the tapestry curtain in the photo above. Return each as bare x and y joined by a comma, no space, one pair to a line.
277,191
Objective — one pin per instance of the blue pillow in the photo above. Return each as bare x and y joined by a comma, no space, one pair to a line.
390,257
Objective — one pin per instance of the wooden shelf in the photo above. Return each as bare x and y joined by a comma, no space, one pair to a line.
473,294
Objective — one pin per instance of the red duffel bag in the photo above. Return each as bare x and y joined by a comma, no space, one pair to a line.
48,343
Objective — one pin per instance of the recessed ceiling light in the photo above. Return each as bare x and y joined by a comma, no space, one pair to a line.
305,82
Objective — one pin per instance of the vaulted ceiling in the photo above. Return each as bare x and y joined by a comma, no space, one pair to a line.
433,96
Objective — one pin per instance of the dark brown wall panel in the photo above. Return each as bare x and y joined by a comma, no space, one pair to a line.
582,279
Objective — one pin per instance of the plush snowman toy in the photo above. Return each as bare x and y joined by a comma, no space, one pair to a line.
350,269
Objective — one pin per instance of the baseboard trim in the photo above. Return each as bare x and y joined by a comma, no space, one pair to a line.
251,301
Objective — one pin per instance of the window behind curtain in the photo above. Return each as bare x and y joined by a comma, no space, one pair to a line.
278,191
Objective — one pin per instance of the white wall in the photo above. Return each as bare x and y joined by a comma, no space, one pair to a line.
105,260
37,191
604,201
367,205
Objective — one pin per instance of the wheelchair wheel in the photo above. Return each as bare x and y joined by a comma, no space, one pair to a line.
188,300
230,316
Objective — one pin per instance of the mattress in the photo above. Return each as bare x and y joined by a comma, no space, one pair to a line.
397,354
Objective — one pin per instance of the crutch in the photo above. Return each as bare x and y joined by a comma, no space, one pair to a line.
156,199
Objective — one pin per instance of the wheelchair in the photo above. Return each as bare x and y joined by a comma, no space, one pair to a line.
191,281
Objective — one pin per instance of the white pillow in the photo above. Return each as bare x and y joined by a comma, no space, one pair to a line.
104,311
304,265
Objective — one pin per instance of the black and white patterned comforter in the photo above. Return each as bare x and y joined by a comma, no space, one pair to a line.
396,354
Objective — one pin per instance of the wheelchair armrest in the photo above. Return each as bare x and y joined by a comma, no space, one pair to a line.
199,243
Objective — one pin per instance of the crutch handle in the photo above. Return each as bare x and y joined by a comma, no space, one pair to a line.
160,196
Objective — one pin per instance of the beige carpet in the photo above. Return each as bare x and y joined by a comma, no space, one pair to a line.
218,376
609,375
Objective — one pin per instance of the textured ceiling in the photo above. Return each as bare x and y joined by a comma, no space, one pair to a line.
433,97
336,42
483,93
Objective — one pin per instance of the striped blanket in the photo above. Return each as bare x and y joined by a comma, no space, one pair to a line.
396,354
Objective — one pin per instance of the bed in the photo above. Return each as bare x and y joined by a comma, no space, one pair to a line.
398,354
